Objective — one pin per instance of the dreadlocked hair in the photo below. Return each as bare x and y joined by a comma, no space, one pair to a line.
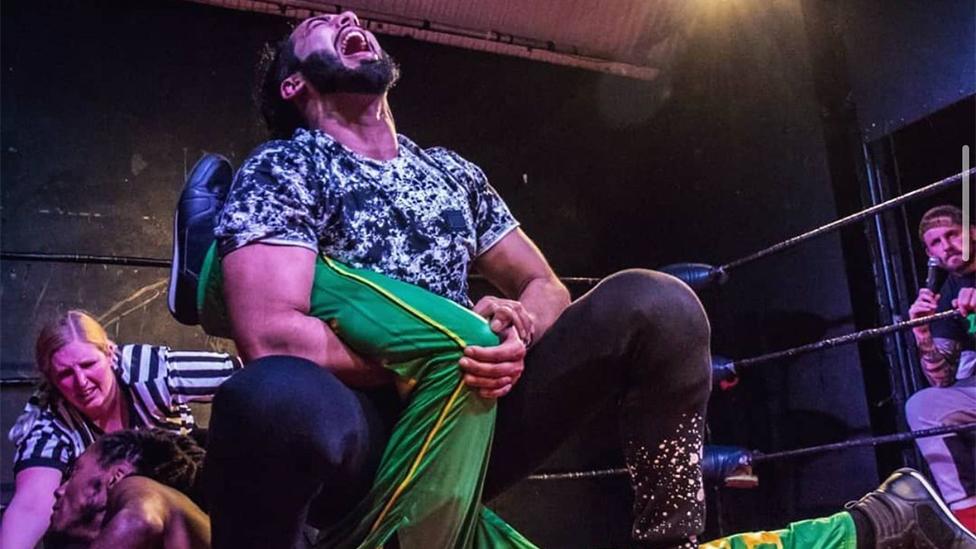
163,456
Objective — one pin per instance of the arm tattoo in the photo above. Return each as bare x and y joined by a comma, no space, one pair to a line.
940,361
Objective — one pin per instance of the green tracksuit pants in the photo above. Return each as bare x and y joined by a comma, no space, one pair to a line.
833,532
427,489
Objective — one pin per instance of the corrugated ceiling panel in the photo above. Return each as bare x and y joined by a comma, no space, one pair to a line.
634,38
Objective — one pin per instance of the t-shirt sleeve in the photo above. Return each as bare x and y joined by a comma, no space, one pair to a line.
167,378
272,200
492,218
46,445
194,376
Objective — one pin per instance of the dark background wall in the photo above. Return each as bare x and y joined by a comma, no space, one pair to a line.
921,52
106,104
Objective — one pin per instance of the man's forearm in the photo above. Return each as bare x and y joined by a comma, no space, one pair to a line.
939,358
545,299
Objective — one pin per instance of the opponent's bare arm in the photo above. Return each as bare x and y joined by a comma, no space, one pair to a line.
27,517
267,291
534,300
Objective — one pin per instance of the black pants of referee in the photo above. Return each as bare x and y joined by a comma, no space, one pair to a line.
290,444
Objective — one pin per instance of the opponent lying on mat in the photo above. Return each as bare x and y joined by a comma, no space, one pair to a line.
128,490
91,386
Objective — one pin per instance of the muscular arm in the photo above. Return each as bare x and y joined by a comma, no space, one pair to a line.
517,267
267,292
520,271
29,513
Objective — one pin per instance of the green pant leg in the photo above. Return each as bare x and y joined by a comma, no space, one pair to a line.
429,481
428,484
833,532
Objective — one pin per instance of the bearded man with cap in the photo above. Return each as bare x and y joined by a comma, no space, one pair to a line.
947,354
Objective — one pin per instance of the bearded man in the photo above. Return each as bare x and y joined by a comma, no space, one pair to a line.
298,434
947,353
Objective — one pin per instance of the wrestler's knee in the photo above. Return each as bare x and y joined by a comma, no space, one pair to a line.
282,396
650,298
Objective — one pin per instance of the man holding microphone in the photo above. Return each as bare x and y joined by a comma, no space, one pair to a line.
947,353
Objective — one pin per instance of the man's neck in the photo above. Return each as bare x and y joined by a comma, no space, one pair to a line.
363,123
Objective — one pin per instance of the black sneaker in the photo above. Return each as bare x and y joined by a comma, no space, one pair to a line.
906,512
193,224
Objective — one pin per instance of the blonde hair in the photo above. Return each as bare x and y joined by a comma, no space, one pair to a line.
74,325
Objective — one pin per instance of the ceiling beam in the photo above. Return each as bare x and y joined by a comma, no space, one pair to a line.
439,33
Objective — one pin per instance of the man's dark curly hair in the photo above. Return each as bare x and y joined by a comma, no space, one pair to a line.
276,63
163,456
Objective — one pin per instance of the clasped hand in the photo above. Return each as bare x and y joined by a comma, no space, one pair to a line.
495,370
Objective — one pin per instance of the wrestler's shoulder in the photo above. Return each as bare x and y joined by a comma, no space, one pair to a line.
135,361
301,148
444,155
453,162
277,150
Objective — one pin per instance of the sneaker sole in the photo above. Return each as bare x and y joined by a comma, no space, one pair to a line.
173,274
212,164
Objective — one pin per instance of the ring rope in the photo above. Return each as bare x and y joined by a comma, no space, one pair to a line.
844,221
758,457
841,340
126,261
165,263
130,261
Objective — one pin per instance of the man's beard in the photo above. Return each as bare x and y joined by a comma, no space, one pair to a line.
963,267
328,75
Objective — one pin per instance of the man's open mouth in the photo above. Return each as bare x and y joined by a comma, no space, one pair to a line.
352,42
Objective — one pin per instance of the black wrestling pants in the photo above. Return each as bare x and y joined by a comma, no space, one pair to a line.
289,443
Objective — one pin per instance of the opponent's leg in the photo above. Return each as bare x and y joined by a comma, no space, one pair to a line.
428,484
638,338
833,532
282,431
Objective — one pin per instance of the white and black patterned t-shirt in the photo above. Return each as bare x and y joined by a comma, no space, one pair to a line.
421,217
156,383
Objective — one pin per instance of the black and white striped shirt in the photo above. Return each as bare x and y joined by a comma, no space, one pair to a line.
157,384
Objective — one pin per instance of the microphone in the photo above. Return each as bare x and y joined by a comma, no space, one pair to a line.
936,276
